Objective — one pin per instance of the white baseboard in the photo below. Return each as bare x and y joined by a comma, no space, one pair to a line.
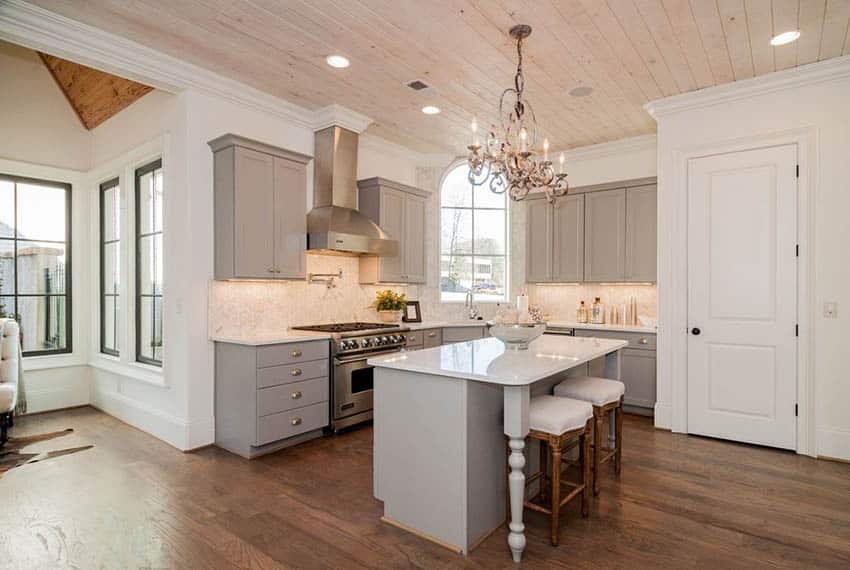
834,443
57,388
166,427
663,416
200,433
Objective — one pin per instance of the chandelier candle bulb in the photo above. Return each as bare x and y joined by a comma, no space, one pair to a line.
545,150
474,126
523,137
561,164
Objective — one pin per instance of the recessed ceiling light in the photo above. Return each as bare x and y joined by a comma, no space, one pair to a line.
337,61
785,38
581,91
430,110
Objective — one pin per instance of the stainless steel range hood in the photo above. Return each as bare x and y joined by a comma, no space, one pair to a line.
334,225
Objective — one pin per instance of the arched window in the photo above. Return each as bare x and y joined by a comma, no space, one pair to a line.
473,239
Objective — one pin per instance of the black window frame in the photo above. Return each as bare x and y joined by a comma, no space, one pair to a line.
141,171
108,185
69,328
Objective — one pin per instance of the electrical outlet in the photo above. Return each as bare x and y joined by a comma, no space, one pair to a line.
830,310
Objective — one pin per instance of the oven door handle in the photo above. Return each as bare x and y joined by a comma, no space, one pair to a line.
364,357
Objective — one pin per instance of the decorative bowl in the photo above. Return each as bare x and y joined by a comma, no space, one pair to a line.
517,336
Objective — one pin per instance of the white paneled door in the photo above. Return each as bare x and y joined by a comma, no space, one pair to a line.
742,296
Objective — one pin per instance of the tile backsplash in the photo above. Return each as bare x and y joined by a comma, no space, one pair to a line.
560,301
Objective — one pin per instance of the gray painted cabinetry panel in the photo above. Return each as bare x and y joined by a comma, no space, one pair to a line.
400,211
260,210
641,240
568,231
538,260
605,235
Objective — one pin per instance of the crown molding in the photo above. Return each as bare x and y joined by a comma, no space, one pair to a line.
338,116
632,144
822,71
39,29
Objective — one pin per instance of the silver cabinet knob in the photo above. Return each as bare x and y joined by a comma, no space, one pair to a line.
296,421
296,353
296,372
296,395
271,269
432,334
643,340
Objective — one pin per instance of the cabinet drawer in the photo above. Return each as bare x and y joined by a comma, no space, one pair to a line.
461,334
415,339
291,396
644,341
291,353
291,422
288,373
432,337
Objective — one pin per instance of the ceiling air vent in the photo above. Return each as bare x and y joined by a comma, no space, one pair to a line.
417,85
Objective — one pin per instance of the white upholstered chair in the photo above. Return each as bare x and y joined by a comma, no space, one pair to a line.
10,340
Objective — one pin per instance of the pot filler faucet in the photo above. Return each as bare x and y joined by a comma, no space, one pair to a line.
471,307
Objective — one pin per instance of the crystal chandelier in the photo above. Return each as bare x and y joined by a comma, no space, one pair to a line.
507,158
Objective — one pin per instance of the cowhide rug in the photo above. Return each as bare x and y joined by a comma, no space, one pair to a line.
12,454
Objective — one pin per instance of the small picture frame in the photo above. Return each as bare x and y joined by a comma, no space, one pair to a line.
412,313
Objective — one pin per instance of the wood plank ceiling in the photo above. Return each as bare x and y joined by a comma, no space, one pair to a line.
628,51
94,95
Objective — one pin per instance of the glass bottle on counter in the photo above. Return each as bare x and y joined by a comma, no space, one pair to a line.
597,312
581,313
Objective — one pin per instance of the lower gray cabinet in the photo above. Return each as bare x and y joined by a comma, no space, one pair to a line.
270,397
463,334
424,338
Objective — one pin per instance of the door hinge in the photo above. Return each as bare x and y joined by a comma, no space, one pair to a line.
796,410
798,171
796,330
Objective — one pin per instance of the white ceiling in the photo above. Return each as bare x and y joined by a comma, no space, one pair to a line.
629,51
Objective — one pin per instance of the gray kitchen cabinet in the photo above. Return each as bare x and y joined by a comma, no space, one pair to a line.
641,240
539,241
270,397
568,231
400,211
605,236
432,337
260,204
452,335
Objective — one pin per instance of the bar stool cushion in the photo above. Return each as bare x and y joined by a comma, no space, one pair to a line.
555,416
597,391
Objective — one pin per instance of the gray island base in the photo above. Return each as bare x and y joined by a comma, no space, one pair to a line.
441,417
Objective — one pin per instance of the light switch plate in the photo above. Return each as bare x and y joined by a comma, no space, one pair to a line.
830,310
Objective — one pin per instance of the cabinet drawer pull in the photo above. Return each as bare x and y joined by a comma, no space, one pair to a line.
295,353
643,341
296,394
432,334
296,421
271,270
296,372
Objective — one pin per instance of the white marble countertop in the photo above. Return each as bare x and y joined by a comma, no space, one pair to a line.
441,324
284,337
603,327
487,360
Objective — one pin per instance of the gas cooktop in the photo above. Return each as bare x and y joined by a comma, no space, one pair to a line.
346,327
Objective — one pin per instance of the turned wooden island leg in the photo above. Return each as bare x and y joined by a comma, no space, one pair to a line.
516,404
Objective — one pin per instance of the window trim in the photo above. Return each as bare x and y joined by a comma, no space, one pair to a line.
69,327
139,172
472,209
104,186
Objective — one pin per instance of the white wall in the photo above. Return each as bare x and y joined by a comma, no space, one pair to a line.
625,159
34,110
814,99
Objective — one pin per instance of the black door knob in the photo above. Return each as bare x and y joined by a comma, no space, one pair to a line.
695,331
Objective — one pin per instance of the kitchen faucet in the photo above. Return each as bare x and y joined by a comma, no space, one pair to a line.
469,303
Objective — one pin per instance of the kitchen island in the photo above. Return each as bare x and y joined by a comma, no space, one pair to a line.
441,416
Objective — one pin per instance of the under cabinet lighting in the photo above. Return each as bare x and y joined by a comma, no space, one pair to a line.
338,61
785,38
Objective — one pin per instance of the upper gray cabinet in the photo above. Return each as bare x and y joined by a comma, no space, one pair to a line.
260,210
555,240
641,239
605,235
539,241
400,211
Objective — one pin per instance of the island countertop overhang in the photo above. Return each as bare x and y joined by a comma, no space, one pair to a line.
487,359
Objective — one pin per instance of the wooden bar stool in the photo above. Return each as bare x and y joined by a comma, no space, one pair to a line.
606,396
560,424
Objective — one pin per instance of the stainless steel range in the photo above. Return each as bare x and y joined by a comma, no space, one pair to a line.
351,378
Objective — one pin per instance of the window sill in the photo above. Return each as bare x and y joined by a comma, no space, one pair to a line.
135,370
49,361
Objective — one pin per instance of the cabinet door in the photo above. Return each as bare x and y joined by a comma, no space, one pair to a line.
605,235
638,374
432,337
414,239
290,218
254,214
392,222
568,231
641,222
538,259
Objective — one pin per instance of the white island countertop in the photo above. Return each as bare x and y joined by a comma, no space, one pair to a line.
487,359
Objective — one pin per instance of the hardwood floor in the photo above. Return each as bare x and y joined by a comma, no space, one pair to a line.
135,502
